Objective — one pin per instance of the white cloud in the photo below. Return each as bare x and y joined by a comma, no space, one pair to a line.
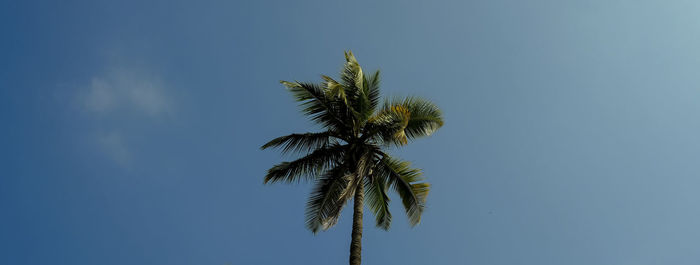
113,145
121,90
149,98
100,97
119,98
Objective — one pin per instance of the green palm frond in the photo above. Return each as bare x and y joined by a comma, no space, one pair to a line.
334,89
317,105
307,167
325,204
389,124
378,201
366,98
401,120
407,182
351,74
352,78
370,88
362,168
425,119
344,104
301,142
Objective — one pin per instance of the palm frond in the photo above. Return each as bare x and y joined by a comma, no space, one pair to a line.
301,142
334,89
389,124
352,79
407,182
370,88
326,202
361,169
343,103
378,201
426,117
401,120
351,75
317,105
307,167
367,98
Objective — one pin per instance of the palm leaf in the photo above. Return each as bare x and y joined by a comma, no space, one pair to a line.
401,120
370,88
317,105
425,119
406,181
308,167
325,204
388,125
351,74
361,169
352,79
378,201
334,89
301,142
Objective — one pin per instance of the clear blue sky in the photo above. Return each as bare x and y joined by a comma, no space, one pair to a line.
130,130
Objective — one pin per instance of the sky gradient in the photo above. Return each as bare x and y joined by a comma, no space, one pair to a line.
131,130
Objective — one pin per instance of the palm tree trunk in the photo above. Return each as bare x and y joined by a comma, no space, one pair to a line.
356,243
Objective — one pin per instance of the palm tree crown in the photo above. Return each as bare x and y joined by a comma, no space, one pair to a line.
347,160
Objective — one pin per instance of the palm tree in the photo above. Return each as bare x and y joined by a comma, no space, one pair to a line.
347,160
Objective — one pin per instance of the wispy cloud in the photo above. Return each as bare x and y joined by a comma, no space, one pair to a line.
127,90
112,144
119,97
100,97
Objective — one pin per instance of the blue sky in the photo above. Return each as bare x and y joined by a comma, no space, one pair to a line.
130,130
